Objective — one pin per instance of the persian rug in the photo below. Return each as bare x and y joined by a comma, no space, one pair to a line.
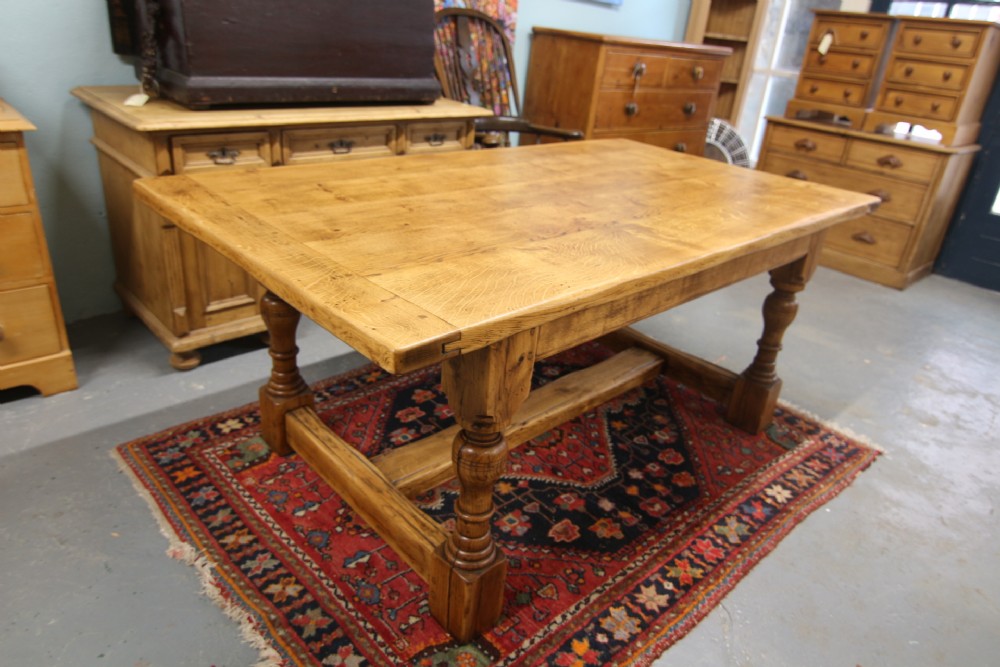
622,528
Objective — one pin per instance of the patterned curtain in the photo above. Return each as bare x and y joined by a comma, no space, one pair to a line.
504,11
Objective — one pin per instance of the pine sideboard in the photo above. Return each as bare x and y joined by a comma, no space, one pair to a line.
186,293
34,350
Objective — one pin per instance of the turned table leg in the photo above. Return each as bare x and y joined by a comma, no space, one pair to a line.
755,395
484,388
285,390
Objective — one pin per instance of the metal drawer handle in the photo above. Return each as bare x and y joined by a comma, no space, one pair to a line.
436,139
681,147
797,173
890,161
631,109
341,146
638,70
881,194
690,108
864,237
223,156
807,145
697,72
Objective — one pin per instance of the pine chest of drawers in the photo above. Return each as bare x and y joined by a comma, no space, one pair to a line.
656,92
34,350
187,294
939,74
842,63
919,185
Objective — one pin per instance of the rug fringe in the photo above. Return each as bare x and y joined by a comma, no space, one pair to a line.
831,425
187,554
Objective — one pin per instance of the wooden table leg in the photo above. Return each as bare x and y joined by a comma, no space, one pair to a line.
484,388
751,406
285,390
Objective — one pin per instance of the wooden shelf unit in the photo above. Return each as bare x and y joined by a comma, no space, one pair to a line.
734,24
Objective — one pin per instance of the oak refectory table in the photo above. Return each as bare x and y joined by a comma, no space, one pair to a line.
484,261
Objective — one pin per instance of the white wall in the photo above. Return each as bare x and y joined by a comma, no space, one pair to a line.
46,49
49,47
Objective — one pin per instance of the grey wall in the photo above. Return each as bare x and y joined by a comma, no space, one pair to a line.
49,47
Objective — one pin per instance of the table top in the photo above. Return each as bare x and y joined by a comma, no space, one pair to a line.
162,115
415,257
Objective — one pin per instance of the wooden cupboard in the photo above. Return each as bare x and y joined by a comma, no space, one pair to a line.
656,92
34,349
186,293
918,183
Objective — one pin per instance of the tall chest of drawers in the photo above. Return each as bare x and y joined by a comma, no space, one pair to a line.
656,92
187,294
919,185
842,64
34,350
938,74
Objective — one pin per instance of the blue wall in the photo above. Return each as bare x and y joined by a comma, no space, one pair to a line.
50,47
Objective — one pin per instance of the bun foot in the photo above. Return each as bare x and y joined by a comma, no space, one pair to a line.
185,361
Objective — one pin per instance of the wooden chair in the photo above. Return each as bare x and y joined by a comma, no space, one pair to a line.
474,62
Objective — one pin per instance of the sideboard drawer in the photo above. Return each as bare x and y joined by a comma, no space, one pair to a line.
924,73
953,43
872,238
891,160
627,68
652,110
919,105
816,145
13,186
901,201
29,324
20,249
433,137
198,152
830,90
852,34
311,145
839,63
683,141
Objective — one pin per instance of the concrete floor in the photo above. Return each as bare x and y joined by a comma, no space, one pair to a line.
902,569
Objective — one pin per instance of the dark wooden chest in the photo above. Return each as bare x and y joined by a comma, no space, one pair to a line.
204,53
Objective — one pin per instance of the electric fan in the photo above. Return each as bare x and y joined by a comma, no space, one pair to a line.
724,144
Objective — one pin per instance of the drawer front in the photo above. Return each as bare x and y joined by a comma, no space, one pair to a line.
651,110
892,160
872,238
683,141
854,34
624,68
20,248
854,65
901,201
919,105
13,185
198,152
324,144
926,73
807,143
28,324
930,42
434,137
834,92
